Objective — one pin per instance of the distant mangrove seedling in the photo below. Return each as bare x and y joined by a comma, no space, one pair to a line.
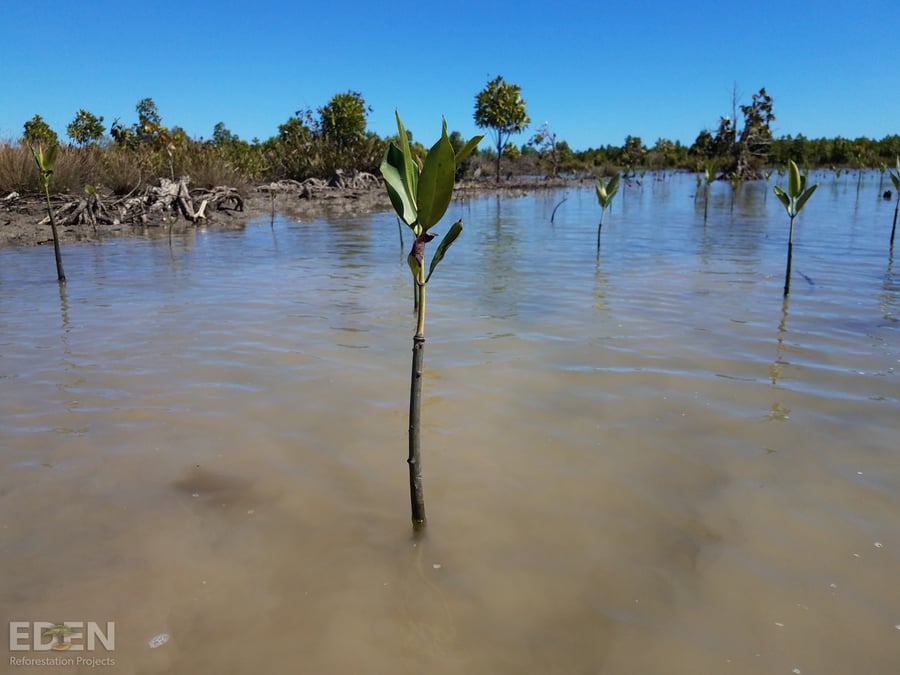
45,163
420,196
793,200
895,179
605,193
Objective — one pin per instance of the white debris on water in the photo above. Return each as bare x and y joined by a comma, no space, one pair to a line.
878,544
158,640
436,566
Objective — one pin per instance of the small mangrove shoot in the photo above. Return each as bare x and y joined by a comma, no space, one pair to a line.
709,174
420,196
45,163
605,193
895,179
793,200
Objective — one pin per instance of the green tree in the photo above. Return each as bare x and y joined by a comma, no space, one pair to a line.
756,135
37,132
501,108
634,153
86,128
343,119
222,137
742,152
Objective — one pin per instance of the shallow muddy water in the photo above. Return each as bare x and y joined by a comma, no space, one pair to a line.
648,465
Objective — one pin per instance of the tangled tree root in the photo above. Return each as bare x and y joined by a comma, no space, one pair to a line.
313,188
160,202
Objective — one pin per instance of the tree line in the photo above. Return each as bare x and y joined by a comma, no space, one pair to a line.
318,143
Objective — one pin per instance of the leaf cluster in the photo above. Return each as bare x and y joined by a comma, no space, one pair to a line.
606,191
797,193
421,193
45,162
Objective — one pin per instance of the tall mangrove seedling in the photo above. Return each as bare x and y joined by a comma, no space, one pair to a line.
895,179
420,195
45,163
794,199
605,193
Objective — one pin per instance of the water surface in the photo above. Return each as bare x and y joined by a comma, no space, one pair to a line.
646,464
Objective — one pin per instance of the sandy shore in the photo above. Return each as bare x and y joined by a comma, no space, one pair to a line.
21,216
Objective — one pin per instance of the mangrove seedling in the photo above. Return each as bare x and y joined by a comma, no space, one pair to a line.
605,193
793,200
45,163
709,174
735,181
420,196
895,179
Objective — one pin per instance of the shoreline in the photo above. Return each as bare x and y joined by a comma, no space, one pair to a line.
21,215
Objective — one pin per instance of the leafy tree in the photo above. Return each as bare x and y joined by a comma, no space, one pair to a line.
634,153
703,147
221,136
86,128
37,132
501,108
343,119
743,151
756,136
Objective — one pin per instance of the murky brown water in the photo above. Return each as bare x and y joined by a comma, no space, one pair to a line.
650,466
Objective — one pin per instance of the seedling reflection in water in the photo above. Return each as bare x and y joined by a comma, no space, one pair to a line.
793,200
420,196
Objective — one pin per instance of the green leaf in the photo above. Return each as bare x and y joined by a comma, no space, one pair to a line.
50,156
467,149
895,179
392,169
782,197
436,183
446,242
794,188
411,172
805,196
38,156
612,187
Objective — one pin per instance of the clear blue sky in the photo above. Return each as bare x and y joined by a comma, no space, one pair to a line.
595,71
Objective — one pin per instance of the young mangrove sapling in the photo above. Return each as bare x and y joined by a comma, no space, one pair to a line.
605,193
895,179
45,162
793,200
420,196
